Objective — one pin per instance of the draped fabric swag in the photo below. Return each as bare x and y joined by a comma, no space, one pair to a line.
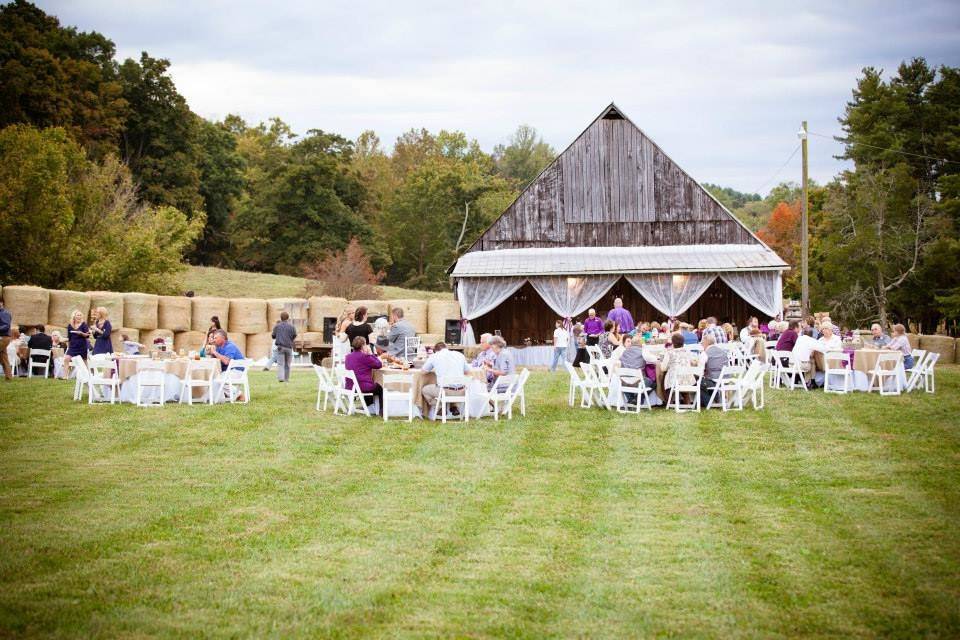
670,293
478,296
569,296
762,289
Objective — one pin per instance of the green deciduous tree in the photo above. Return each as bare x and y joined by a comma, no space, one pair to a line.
524,157
221,185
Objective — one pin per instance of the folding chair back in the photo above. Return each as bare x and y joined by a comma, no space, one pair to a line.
43,366
397,387
838,376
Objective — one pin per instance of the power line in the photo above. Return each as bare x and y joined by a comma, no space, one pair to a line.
873,146
777,172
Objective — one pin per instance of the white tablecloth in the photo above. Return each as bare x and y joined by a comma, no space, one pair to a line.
537,356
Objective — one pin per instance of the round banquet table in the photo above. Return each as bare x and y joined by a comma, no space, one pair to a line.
175,370
419,378
863,361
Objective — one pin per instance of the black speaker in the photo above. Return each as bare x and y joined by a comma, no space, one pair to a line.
329,328
452,334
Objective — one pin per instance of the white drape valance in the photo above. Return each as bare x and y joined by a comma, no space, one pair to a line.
762,289
671,293
569,296
478,296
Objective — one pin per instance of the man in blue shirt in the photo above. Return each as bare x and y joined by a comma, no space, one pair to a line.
224,350
689,337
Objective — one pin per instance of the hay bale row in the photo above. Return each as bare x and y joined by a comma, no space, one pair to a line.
240,339
189,340
914,340
414,312
174,313
248,315
944,345
116,337
324,307
64,303
204,308
295,307
439,311
259,345
140,310
27,305
311,337
112,302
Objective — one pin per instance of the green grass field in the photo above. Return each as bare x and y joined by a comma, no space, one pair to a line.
820,516
211,281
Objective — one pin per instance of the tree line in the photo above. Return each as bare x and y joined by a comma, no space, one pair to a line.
110,153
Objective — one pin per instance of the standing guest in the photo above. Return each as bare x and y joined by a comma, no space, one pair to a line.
341,342
362,362
359,328
580,342
788,339
621,316
877,337
900,342
224,349
829,340
716,357
6,322
283,334
592,327
752,323
130,347
12,350
101,332
447,364
711,328
672,359
486,356
503,365
609,339
400,330
561,339
274,355
40,340
689,337
78,336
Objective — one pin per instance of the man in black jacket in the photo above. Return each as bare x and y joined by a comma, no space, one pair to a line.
40,340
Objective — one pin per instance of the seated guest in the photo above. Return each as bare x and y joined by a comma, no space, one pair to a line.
447,364
631,357
609,339
223,349
811,323
592,327
101,330
710,327
900,342
621,316
877,337
503,365
40,340
400,330
752,323
788,339
689,337
829,340
672,359
644,331
56,340
716,358
804,348
774,330
362,362
486,356
130,347
729,331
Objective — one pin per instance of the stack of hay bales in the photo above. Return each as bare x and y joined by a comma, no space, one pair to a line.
204,308
63,304
188,340
414,311
240,339
248,315
27,305
112,302
295,307
259,345
439,311
140,311
944,345
174,313
324,307
914,339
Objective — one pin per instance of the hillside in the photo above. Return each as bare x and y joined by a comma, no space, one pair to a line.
211,281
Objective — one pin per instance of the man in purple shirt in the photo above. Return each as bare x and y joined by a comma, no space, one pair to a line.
592,327
621,316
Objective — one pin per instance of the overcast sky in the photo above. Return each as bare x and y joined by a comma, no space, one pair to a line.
721,87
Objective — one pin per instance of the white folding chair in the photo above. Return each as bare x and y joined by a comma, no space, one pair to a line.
103,376
918,355
915,374
200,375
632,383
576,382
752,382
674,398
603,368
353,398
151,375
594,352
397,387
410,348
590,384
43,366
445,397
790,375
325,386
728,383
235,381
929,380
837,366
887,368
81,377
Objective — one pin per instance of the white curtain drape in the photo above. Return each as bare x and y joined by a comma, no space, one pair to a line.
569,296
762,289
478,296
671,293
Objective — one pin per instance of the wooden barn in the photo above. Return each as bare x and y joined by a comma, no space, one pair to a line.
614,216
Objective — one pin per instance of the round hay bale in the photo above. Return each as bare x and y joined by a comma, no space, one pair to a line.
140,310
116,337
189,340
296,307
259,345
248,315
147,337
203,308
64,303
311,337
27,305
112,302
239,339
944,345
414,312
439,312
430,339
374,307
174,313
324,307
914,340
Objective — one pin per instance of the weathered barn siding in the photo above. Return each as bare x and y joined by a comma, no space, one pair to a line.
613,187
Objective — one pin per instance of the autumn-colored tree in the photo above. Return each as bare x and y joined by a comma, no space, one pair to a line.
343,274
782,231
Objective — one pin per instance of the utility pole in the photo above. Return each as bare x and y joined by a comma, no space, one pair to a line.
804,231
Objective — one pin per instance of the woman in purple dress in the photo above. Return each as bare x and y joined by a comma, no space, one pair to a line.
78,335
101,331
362,362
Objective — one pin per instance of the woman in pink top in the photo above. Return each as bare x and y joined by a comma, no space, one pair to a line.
362,362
